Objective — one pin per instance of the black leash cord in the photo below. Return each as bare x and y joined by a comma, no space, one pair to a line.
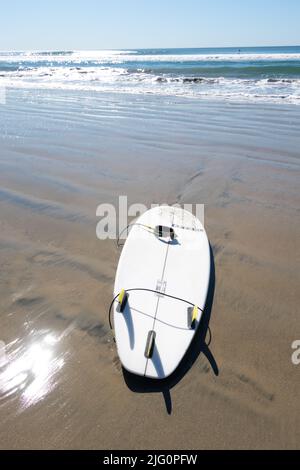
126,228
154,292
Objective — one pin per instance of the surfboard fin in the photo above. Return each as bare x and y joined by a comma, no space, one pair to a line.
192,316
150,344
122,300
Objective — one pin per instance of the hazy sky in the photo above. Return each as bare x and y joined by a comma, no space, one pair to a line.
125,24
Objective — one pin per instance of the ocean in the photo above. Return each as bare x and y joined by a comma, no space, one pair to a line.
269,74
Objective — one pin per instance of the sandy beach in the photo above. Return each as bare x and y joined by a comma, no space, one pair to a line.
64,153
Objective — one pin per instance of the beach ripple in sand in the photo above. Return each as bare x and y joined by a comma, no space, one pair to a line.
61,371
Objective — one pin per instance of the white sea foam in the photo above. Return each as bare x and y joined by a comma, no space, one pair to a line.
120,56
212,58
116,72
65,56
118,80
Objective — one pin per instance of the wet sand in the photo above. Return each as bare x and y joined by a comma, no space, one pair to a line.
63,154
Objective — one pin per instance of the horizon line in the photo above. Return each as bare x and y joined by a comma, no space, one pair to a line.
150,48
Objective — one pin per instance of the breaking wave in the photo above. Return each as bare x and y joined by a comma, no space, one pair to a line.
253,75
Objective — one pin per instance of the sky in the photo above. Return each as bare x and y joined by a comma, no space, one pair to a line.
128,24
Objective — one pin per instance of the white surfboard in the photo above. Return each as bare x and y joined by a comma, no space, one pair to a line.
153,330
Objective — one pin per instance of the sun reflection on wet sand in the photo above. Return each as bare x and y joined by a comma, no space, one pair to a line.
30,368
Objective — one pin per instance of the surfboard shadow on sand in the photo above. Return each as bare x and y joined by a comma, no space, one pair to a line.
199,345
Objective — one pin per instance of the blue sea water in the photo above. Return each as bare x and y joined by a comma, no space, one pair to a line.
269,74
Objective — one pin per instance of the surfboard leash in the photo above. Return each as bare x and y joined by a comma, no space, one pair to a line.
137,289
124,299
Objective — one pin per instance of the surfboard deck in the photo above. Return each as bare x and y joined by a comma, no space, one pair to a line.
179,268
